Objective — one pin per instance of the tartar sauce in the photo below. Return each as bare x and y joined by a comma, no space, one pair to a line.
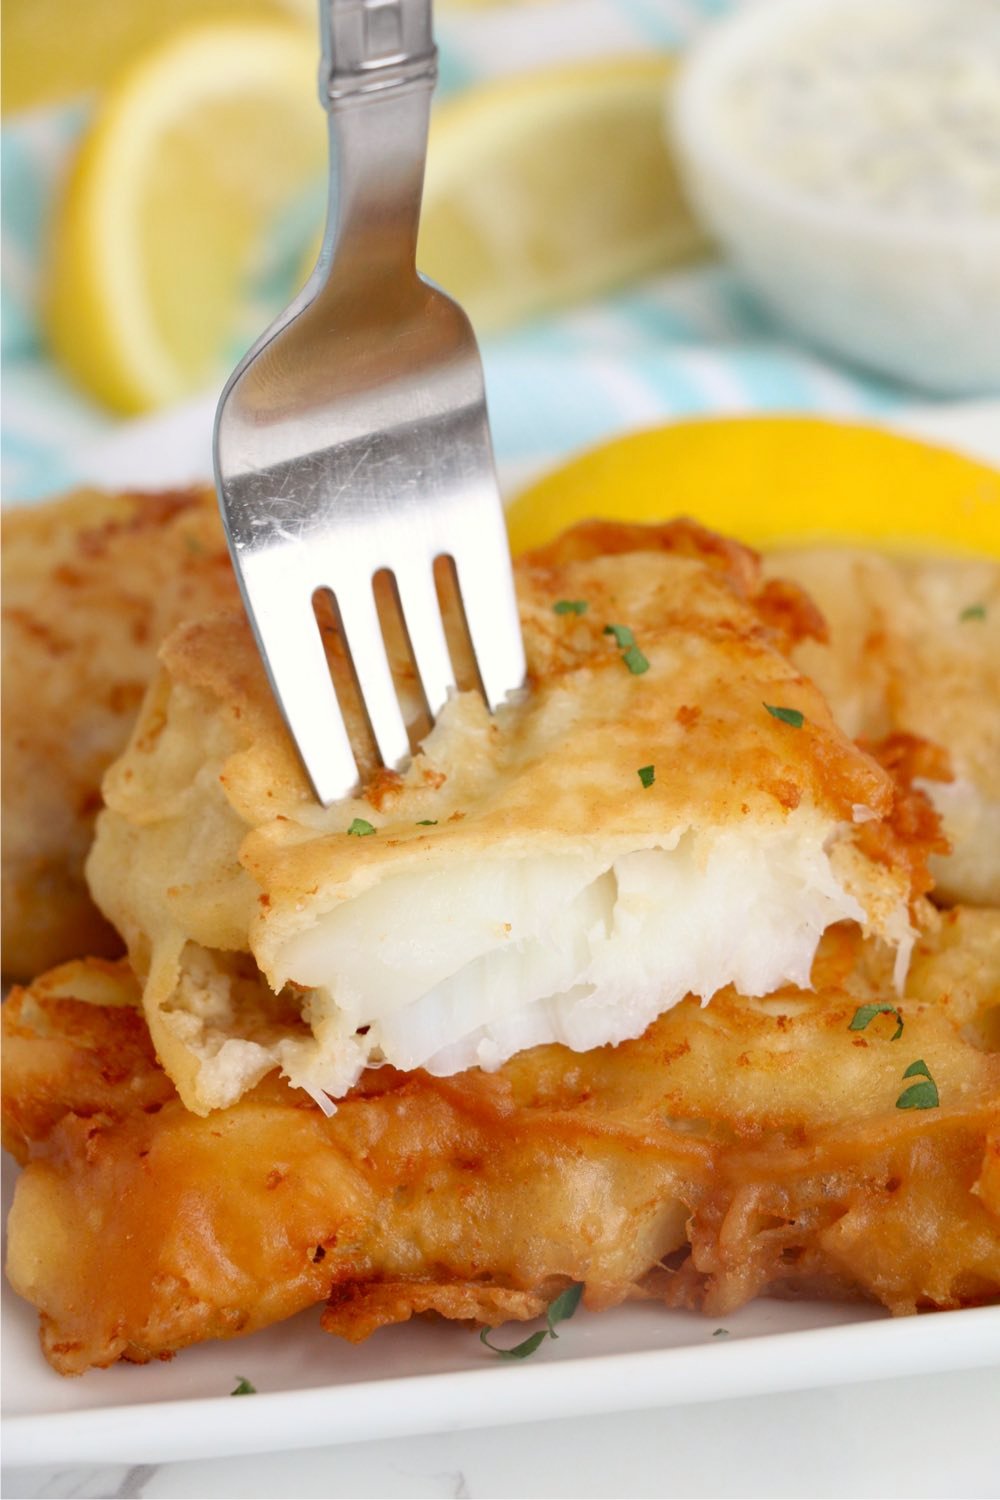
887,104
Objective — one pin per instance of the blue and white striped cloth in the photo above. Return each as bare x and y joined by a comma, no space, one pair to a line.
685,343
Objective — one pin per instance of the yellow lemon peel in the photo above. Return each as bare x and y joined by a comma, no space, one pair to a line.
774,481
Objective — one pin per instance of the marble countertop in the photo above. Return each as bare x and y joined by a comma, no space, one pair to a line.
927,1435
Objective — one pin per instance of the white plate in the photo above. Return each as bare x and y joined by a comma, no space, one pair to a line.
314,1389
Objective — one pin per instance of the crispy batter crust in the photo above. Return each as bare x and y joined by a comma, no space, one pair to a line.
914,649
744,1148
91,584
912,832
781,604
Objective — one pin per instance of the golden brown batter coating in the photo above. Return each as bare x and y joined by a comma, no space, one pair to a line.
737,1149
914,647
91,584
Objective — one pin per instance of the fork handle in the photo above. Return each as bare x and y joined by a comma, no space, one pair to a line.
379,68
372,45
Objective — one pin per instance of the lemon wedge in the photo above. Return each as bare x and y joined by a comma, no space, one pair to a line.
57,49
550,187
201,147
772,481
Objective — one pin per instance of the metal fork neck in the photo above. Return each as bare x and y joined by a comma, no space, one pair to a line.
378,146
379,68
370,46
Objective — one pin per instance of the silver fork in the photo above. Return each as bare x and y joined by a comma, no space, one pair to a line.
353,437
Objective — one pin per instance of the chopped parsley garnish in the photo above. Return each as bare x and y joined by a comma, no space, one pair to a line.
243,1387
194,546
647,775
922,1095
721,1333
973,612
631,655
520,1351
866,1013
564,1306
791,716
570,607
361,827
427,823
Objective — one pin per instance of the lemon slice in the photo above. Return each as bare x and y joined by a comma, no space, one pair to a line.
551,187
56,49
201,147
773,481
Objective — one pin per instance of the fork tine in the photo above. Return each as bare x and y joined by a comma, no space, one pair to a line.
487,588
363,634
422,616
296,664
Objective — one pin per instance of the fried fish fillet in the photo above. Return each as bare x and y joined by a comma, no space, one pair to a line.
746,1147
669,808
914,646
125,569
91,584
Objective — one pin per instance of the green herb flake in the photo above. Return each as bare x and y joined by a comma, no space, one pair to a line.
919,1096
866,1013
563,1307
647,775
631,655
523,1350
721,1333
791,716
361,827
635,661
427,823
570,607
243,1387
973,612
194,546
922,1095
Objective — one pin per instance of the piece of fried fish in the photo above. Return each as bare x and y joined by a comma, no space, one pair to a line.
667,809
745,1147
914,646
91,584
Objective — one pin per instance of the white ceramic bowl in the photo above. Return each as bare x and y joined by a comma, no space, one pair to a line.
917,299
